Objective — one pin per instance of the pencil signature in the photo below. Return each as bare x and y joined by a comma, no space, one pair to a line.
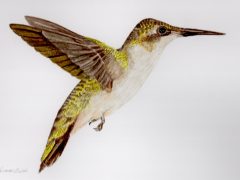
12,170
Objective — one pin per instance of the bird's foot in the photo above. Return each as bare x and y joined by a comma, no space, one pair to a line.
92,121
100,125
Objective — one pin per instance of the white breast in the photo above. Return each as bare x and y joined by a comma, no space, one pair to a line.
141,63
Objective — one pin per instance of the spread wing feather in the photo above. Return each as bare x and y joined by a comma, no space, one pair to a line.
35,38
80,56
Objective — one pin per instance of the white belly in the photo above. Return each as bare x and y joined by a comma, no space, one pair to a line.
141,63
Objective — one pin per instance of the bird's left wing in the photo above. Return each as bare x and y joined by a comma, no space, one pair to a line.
79,55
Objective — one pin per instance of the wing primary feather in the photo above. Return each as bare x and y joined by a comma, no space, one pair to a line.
82,54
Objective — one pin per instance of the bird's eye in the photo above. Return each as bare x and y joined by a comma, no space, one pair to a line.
162,30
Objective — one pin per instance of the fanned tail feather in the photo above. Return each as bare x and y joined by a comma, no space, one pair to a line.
58,147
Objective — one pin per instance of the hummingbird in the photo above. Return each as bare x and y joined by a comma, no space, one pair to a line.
109,77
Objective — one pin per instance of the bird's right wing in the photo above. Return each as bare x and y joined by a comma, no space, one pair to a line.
76,102
80,56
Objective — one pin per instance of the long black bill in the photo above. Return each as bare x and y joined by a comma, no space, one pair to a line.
193,32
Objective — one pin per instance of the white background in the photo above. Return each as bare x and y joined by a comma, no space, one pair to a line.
184,124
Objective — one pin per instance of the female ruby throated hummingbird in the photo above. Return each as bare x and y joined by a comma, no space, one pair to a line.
108,77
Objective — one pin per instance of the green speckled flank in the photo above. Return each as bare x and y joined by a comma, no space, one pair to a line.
121,58
75,103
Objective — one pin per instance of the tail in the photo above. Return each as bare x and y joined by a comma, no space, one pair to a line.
66,118
57,148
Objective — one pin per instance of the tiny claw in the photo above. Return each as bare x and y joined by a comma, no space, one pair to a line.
92,121
100,125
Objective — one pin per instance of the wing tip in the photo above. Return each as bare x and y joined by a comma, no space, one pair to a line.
29,18
13,26
35,21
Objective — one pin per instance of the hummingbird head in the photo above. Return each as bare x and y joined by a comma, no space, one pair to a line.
150,33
